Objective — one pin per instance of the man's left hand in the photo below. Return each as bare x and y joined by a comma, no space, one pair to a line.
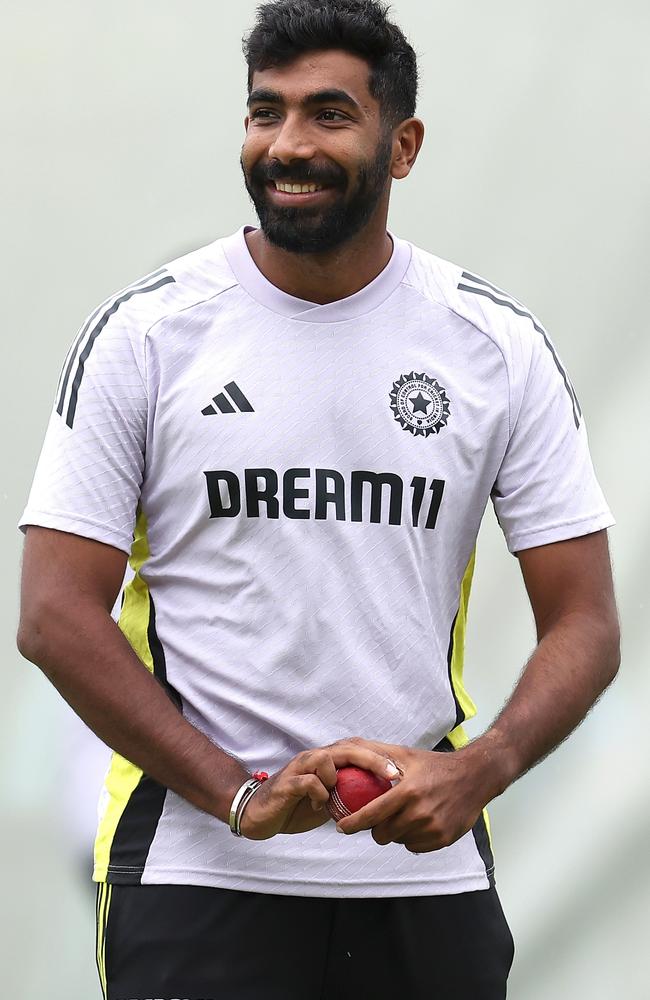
437,798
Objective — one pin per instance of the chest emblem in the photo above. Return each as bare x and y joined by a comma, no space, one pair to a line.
420,404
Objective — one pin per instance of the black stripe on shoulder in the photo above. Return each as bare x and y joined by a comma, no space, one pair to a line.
516,308
69,361
72,405
488,284
139,821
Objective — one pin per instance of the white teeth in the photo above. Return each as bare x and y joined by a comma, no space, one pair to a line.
287,188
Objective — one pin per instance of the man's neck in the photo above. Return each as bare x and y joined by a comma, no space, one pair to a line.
325,277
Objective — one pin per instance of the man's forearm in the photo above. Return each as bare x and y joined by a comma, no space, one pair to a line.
572,665
100,676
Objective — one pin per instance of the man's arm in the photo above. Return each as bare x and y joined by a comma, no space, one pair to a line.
577,656
441,795
69,587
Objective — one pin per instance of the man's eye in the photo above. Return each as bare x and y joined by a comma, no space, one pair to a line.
330,115
263,114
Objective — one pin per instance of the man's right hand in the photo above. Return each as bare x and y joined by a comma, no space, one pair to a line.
67,578
293,800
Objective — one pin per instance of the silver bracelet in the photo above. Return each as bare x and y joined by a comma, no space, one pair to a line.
242,797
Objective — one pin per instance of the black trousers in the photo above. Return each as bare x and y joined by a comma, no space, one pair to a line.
173,942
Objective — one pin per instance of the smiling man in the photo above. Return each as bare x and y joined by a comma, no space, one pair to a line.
293,434
323,196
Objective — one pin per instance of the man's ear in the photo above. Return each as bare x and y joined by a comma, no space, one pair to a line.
407,142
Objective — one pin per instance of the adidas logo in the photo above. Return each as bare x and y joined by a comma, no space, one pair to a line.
223,404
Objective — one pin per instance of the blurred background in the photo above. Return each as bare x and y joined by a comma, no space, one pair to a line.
121,128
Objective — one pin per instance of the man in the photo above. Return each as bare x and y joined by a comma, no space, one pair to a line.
293,433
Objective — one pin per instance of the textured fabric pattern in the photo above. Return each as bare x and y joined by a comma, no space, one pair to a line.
299,598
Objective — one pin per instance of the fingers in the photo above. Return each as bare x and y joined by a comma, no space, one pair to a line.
286,789
392,751
309,786
415,834
305,784
418,831
324,761
311,774
412,823
391,830
318,762
366,754
286,803
376,812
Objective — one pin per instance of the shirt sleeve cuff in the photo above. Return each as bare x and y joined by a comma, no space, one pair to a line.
531,538
76,525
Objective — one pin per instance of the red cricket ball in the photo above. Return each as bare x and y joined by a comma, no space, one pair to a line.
354,788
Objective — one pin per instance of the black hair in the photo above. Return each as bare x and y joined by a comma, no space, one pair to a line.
284,29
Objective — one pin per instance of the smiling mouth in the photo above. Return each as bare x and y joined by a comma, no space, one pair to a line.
291,187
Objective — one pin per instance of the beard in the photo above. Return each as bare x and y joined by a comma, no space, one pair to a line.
318,230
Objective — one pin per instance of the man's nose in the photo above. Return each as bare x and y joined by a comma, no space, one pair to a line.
291,142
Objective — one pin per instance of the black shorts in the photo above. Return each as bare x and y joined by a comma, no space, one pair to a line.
172,942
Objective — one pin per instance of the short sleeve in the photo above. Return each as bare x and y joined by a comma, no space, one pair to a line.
91,466
546,489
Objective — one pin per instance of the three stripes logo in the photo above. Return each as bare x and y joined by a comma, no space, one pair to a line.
234,402
479,286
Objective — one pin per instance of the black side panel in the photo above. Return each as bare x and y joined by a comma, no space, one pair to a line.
139,821
460,715
483,846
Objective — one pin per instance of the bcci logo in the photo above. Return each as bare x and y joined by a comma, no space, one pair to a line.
420,404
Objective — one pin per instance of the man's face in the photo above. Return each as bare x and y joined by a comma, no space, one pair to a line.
316,158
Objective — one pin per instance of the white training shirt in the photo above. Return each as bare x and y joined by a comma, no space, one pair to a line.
305,483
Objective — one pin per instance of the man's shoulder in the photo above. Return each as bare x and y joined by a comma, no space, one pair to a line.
481,304
203,272
172,288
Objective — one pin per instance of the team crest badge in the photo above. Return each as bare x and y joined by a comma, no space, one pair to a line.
420,404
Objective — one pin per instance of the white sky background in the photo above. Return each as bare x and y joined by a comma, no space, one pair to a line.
121,127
